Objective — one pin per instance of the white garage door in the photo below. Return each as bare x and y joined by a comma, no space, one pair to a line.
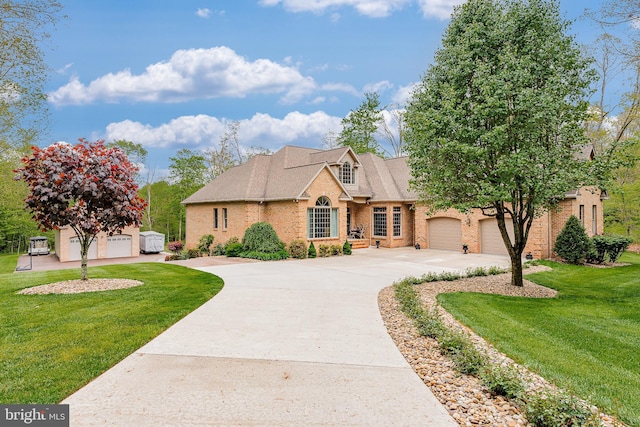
490,238
445,234
74,249
118,245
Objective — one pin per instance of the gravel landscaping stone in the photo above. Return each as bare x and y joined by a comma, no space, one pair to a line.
80,286
468,402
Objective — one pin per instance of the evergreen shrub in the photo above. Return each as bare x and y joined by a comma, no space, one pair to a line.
573,244
312,251
261,237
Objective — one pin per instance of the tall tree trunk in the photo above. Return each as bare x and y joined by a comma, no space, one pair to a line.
84,273
85,243
84,250
516,269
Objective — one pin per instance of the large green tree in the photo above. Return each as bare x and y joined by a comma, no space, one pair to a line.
187,173
25,26
497,118
359,127
23,72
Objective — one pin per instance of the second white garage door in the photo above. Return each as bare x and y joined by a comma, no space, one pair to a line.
118,245
490,238
445,234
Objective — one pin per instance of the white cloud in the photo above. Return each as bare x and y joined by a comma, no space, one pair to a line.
402,95
379,87
341,87
191,74
202,131
372,8
203,13
440,9
64,69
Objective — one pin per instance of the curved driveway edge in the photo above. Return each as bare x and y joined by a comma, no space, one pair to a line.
297,342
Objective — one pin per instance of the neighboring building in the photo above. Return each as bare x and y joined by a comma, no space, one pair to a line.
328,196
125,244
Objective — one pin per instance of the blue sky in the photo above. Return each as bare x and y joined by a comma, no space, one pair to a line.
170,74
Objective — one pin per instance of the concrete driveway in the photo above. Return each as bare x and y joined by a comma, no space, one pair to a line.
298,342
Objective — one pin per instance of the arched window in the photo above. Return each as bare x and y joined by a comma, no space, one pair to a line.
346,173
322,219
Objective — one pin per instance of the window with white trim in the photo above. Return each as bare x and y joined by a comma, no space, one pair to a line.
224,218
346,173
380,221
594,219
581,214
322,220
397,221
215,218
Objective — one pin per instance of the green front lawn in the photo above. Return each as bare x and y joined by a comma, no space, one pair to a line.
8,263
587,340
51,345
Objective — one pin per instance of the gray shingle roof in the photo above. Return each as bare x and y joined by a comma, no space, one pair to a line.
286,175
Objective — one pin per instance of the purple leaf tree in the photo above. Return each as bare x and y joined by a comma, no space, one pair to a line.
87,186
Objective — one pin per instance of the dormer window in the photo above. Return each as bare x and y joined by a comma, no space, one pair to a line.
346,173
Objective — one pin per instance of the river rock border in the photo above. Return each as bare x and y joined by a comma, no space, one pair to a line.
467,401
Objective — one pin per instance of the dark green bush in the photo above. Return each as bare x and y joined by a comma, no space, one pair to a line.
219,249
233,249
261,237
298,249
204,245
312,250
266,256
346,248
231,241
573,244
609,247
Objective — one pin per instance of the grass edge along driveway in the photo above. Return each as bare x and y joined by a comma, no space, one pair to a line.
52,345
587,340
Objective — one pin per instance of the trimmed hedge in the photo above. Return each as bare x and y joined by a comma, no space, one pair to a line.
261,237
609,248
298,249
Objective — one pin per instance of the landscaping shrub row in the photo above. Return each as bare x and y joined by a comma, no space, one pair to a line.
542,408
259,242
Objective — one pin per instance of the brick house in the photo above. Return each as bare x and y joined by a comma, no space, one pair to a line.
329,196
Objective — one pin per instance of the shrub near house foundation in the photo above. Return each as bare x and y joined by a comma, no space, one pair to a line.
573,244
